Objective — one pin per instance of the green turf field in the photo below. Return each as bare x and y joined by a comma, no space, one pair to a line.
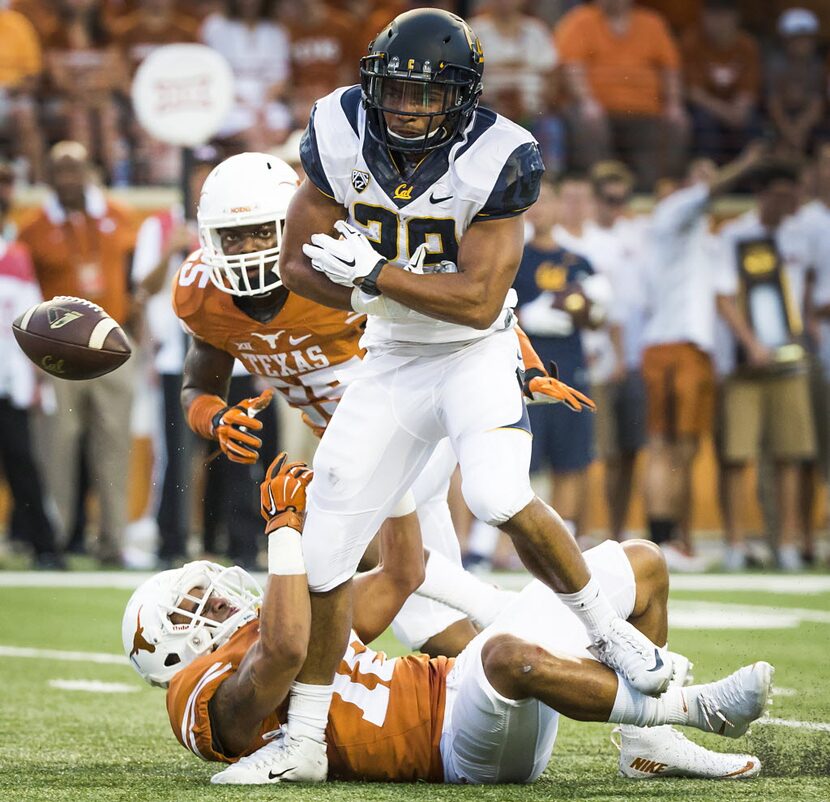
58,744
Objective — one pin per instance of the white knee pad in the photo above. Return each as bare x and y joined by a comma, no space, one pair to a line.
495,497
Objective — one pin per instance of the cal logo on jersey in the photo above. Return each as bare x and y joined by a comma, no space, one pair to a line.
360,180
403,192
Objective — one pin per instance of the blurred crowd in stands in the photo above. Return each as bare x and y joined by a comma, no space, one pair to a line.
684,320
651,83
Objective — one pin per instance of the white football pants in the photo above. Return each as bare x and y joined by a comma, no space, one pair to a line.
384,431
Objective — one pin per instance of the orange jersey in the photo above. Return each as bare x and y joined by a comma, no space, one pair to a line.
299,352
385,719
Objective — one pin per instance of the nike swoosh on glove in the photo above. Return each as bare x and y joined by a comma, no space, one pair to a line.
282,495
343,260
232,425
541,388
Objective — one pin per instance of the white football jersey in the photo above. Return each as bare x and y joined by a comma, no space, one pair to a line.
493,171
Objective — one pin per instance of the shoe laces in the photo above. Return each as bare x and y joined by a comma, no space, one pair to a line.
626,636
712,702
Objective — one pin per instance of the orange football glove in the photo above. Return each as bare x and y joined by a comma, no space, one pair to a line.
231,427
541,388
282,495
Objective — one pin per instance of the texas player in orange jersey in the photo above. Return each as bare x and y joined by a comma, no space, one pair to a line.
229,296
228,655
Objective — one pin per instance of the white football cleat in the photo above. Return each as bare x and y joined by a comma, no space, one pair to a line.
632,655
285,759
682,670
728,706
649,752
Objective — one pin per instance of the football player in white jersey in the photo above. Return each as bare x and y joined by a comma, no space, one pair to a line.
414,166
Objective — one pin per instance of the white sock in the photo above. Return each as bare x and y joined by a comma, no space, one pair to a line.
632,730
308,710
483,539
592,607
446,581
633,707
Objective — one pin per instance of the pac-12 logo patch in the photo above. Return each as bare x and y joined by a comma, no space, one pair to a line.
360,180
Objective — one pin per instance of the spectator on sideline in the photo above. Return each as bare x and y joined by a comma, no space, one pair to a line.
85,73
796,82
549,279
137,34
19,393
723,81
324,52
521,80
81,245
164,241
21,65
622,70
258,51
767,396
684,277
617,248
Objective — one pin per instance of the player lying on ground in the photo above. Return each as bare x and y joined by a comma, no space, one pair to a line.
229,657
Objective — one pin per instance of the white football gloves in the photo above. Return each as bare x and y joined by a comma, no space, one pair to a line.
378,305
343,260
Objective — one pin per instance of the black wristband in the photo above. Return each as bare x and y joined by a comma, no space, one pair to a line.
369,283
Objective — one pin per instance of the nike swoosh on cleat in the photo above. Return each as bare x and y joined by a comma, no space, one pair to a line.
273,776
433,199
658,662
748,767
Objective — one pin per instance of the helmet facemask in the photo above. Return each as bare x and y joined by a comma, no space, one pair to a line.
157,647
447,97
243,274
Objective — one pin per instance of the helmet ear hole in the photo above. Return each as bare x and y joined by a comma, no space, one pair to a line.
172,659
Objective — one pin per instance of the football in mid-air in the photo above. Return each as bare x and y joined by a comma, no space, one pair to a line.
71,338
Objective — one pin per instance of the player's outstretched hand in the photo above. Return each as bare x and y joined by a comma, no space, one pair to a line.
232,427
547,389
282,495
343,260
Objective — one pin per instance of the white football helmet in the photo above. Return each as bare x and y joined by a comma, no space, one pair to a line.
244,190
155,646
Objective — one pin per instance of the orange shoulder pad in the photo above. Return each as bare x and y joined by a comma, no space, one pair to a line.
188,286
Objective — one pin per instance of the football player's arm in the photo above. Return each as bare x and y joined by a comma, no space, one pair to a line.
265,674
380,593
310,212
207,374
488,259
263,679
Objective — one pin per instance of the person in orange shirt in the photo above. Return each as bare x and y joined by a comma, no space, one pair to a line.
622,71
228,655
723,79
153,24
81,245
230,298
21,64
324,52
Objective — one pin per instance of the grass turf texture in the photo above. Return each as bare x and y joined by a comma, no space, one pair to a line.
59,745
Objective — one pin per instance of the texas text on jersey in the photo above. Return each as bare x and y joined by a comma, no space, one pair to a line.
385,720
300,351
492,172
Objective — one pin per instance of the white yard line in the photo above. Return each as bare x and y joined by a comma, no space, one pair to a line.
820,726
92,686
56,654
801,584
